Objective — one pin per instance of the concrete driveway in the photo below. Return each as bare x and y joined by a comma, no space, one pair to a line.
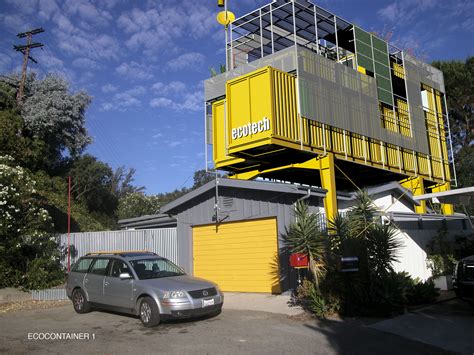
448,325
232,332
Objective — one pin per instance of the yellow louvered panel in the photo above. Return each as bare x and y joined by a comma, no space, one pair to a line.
398,70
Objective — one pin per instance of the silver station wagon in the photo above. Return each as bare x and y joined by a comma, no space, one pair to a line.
140,283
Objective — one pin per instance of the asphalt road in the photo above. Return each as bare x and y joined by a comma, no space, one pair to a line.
447,325
233,331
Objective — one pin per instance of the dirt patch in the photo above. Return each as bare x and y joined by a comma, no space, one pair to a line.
30,304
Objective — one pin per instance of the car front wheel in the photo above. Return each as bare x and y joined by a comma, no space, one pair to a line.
149,312
79,301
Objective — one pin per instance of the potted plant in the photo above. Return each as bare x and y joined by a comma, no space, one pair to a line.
441,260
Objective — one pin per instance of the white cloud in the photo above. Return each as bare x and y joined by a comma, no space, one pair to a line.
154,28
190,102
174,144
89,13
134,71
47,8
108,88
161,102
85,63
5,63
187,61
126,99
390,12
172,87
15,22
404,11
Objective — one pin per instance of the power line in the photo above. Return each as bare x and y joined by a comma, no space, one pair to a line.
25,50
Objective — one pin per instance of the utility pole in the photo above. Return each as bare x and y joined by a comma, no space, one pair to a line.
25,49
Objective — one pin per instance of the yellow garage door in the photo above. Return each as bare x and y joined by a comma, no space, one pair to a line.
238,256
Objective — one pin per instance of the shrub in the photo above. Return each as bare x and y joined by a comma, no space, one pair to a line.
42,273
422,292
389,293
313,300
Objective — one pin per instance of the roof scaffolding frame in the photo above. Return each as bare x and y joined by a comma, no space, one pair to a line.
270,28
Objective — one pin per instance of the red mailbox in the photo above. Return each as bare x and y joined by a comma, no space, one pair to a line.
299,260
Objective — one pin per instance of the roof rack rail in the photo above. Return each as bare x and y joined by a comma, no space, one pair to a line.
118,252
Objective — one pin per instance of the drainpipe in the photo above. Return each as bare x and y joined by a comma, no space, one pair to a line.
308,194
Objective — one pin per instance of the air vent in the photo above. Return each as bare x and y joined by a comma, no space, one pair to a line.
227,202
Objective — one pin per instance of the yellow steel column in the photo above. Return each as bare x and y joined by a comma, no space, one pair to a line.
328,182
417,187
446,209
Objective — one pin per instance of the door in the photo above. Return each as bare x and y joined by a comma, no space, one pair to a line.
94,280
118,292
238,256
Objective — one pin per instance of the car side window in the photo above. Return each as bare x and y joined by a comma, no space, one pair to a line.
82,265
469,272
118,267
100,267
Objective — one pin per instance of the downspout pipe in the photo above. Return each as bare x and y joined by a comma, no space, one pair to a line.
308,194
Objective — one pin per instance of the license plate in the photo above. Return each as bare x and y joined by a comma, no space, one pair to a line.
207,303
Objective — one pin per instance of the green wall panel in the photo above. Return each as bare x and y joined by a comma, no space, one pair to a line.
362,35
380,57
364,49
385,96
380,45
384,83
365,62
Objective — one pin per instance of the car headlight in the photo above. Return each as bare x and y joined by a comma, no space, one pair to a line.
174,294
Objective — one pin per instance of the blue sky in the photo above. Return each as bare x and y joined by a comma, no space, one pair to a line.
144,63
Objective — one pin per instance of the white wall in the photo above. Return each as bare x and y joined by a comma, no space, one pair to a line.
411,256
389,203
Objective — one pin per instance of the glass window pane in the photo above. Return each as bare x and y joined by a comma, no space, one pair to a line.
82,265
100,266
119,267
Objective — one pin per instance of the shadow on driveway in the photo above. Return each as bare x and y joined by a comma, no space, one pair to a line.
448,325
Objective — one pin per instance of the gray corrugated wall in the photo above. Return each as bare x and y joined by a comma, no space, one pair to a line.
248,205
162,241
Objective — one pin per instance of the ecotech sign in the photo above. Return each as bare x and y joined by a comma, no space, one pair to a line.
251,128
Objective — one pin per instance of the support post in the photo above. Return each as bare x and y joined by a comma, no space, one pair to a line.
417,187
446,208
327,172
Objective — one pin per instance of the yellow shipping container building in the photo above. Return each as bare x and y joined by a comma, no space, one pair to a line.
311,98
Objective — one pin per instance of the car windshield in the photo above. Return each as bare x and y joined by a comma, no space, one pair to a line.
155,268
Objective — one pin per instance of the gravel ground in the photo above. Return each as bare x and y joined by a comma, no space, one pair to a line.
10,307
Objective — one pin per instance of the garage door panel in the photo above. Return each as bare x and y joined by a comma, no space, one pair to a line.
235,248
238,256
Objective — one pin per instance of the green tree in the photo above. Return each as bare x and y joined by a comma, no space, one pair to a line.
91,184
202,177
136,204
56,116
459,83
27,247
305,236
121,182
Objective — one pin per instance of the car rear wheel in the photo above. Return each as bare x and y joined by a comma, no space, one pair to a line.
79,301
149,312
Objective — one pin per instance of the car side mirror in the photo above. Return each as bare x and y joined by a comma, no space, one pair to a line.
125,276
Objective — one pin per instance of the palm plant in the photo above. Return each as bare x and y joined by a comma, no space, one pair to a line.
305,236
362,215
382,247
